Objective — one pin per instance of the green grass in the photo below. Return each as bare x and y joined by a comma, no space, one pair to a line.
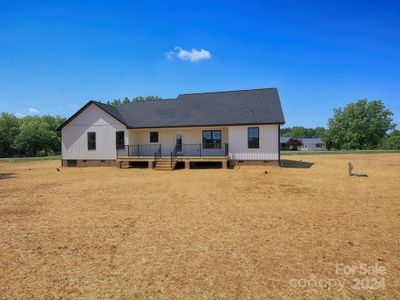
284,153
23,159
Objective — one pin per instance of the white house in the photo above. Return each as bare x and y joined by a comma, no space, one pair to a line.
312,144
220,127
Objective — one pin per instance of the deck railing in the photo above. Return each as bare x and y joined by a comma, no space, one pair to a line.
201,150
139,150
157,156
174,155
154,150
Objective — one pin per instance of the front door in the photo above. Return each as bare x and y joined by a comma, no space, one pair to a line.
178,143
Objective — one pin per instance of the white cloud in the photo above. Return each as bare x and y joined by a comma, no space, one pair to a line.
193,56
33,111
19,115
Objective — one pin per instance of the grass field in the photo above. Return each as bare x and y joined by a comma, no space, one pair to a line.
332,152
283,153
105,233
25,159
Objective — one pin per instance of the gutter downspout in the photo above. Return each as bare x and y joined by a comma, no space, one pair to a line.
279,144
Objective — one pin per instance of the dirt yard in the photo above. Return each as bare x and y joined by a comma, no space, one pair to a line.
306,230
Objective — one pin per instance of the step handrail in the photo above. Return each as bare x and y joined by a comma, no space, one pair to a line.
157,155
173,156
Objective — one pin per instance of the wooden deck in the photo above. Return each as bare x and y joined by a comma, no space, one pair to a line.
186,159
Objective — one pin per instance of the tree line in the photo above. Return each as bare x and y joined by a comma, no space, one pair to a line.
30,135
302,132
126,100
38,135
360,125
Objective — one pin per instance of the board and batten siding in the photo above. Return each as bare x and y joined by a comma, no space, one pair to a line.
167,136
92,119
269,143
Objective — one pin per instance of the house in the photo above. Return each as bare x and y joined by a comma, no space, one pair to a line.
308,144
312,144
214,127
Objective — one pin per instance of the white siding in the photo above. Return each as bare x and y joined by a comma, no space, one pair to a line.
312,147
166,136
93,119
269,143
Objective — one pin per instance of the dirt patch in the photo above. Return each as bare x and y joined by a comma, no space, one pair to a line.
6,175
22,211
254,232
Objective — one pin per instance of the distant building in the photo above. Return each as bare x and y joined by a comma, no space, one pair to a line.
308,144
313,144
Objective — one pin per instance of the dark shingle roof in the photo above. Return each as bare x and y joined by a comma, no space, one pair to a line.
112,111
243,107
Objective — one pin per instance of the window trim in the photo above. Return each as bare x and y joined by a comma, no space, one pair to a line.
216,145
154,132
248,138
120,146
88,141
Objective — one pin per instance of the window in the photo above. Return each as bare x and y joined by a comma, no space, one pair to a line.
154,137
120,139
253,137
91,140
318,145
212,139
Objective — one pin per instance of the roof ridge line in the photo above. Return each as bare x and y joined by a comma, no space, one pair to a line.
99,102
229,91
150,100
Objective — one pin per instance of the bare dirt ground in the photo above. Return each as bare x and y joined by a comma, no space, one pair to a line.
137,233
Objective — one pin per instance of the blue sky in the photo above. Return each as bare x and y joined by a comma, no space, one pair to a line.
57,55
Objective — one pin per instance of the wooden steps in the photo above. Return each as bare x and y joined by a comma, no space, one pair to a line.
164,164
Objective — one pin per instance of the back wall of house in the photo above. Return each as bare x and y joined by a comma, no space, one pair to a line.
93,119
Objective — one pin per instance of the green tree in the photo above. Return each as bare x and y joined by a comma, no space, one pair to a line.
9,129
392,140
302,132
118,102
36,135
318,132
54,122
141,98
115,102
360,125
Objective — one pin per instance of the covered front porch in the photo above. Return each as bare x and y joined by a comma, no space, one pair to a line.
151,154
179,150
163,148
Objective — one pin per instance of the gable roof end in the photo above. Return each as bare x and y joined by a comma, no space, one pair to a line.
105,107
